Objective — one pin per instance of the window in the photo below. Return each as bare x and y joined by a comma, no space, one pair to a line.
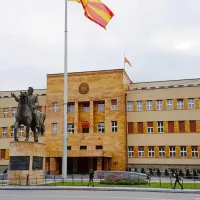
3,153
130,127
101,127
54,128
159,105
130,152
191,103
86,107
141,152
70,107
170,104
172,152
113,104
101,107
21,131
129,106
5,112
160,127
4,132
170,127
99,147
14,111
55,107
12,132
150,127
83,147
149,105
151,152
183,152
162,152
195,153
69,148
139,105
70,128
193,127
181,125
85,129
114,126
180,105
140,127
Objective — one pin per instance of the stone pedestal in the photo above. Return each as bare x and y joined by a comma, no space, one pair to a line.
27,163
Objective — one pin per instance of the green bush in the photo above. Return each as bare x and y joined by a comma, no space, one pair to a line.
166,172
123,182
135,170
188,175
151,171
181,173
158,172
195,175
143,171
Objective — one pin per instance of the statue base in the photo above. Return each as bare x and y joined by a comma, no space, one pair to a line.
27,162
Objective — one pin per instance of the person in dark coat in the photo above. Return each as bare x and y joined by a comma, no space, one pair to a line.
91,177
177,180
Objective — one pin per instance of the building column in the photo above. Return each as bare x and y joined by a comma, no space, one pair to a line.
105,164
53,165
76,117
99,164
91,116
75,165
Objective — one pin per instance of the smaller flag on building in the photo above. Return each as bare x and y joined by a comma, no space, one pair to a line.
127,61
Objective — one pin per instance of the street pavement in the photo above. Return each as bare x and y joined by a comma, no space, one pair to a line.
93,195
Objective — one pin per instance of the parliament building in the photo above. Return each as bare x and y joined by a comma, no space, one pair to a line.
113,123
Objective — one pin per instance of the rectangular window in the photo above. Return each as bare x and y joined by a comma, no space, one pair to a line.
69,148
114,126
195,153
5,112
12,132
21,131
141,152
183,152
101,107
101,127
70,128
129,106
99,147
170,127
159,105
160,127
151,152
161,152
149,105
170,104
150,127
139,105
4,132
181,125
86,107
70,107
85,129
140,127
191,103
55,107
193,127
172,152
83,147
14,111
130,127
180,104
54,128
130,152
114,104
3,153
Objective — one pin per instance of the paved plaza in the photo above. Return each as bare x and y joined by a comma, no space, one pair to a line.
87,195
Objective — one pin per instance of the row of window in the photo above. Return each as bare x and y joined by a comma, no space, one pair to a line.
162,152
160,128
85,129
159,104
98,147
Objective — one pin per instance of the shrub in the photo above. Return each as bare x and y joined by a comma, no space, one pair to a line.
151,171
195,175
198,171
143,171
181,173
166,172
188,175
158,172
135,170
123,182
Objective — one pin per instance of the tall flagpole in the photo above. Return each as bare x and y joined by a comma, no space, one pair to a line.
65,134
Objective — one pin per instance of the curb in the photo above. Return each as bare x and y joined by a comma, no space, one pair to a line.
160,190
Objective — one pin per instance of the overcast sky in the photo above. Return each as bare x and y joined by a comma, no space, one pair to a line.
161,39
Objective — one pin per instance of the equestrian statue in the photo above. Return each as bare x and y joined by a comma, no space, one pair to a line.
28,115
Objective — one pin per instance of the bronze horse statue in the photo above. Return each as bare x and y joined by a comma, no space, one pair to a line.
25,117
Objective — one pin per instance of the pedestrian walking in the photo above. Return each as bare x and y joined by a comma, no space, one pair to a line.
91,177
177,180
